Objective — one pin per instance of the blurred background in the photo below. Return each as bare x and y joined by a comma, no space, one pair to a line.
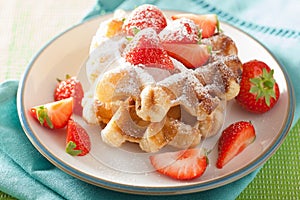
25,26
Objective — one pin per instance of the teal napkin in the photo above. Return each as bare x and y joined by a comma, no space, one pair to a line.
26,174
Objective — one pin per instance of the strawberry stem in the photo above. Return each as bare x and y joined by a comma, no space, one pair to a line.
218,26
42,115
200,36
263,86
70,149
135,30
68,76
209,49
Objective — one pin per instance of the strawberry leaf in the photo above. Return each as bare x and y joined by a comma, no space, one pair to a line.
263,86
209,48
42,115
70,149
200,36
135,30
218,26
68,76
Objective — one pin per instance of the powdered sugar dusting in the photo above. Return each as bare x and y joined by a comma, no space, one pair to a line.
145,16
131,84
180,31
199,91
145,48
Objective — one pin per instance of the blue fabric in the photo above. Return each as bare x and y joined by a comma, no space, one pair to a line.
26,174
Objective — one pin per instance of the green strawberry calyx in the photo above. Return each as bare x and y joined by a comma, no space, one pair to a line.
70,149
42,116
263,86
135,31
66,78
199,36
218,25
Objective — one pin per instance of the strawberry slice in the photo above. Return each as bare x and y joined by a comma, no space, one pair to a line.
191,55
78,141
182,30
208,23
182,165
145,16
53,115
146,48
234,139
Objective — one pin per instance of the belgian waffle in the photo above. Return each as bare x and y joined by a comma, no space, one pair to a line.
177,109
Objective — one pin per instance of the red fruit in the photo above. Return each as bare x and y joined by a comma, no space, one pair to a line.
145,16
191,55
53,115
259,91
182,165
145,48
78,141
234,139
71,87
207,23
183,31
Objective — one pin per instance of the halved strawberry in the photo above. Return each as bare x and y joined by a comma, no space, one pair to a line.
53,115
234,139
182,30
145,16
191,55
70,87
78,141
208,23
145,48
182,165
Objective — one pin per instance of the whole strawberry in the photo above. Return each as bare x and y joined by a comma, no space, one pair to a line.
145,16
70,87
259,91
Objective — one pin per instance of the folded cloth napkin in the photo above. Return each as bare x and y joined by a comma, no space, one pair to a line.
26,174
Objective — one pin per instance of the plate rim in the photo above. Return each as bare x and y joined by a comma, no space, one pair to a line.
195,187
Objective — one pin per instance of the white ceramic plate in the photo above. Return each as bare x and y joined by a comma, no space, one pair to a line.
66,53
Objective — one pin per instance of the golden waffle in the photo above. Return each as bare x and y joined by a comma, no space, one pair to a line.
134,106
